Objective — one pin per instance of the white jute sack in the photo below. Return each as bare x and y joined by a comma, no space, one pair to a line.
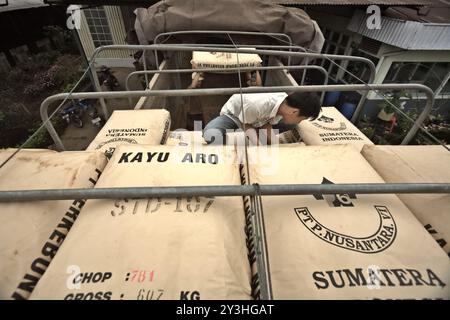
344,246
185,138
186,248
224,60
132,127
332,128
418,164
31,232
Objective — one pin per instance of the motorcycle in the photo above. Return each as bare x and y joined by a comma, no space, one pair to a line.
74,113
96,119
107,79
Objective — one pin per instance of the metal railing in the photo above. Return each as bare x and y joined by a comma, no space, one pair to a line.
228,91
307,67
358,109
290,47
223,191
272,35
253,191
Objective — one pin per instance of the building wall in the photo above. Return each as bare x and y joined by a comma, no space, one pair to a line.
393,65
340,40
111,58
389,57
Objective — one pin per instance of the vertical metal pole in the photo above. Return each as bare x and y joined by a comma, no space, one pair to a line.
98,88
177,67
144,61
304,72
262,261
179,101
442,85
362,101
422,117
156,59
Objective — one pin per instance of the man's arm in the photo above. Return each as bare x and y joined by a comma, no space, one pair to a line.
253,79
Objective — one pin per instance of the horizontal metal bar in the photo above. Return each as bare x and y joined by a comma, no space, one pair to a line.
250,33
227,32
229,69
223,191
302,67
226,91
268,46
223,91
169,47
289,54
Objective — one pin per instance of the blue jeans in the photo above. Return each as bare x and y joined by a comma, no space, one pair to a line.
215,131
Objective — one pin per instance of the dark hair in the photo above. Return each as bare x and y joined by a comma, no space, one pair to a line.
307,102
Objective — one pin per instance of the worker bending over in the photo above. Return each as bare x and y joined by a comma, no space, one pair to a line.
262,113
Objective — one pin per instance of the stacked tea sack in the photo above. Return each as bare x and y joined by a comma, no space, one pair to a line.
132,127
32,232
331,128
224,60
418,164
157,248
185,138
343,246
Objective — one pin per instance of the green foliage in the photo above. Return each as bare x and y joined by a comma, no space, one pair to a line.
25,87
63,39
378,130
64,72
394,98
42,138
368,131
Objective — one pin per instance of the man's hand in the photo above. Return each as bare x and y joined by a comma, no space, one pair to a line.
253,79
197,78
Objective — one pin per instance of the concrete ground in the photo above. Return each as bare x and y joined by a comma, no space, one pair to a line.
76,139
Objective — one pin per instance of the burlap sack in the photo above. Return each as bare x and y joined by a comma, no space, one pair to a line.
157,248
132,127
185,138
418,164
224,60
344,246
31,232
331,128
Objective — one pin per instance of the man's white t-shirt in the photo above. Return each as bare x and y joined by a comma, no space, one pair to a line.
259,108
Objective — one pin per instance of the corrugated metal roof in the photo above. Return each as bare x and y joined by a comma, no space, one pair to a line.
410,35
438,12
354,2
22,4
